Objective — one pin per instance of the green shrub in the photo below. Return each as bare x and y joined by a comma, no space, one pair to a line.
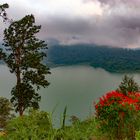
35,126
119,114
6,109
78,130
137,135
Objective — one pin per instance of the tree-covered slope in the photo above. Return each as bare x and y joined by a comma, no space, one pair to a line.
110,59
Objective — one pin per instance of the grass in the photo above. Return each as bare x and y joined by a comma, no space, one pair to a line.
38,125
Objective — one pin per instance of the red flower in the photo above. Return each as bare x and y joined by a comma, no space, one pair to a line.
114,97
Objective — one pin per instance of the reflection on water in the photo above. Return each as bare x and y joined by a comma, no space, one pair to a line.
73,86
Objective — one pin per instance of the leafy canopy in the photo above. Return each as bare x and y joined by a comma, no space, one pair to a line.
24,59
128,85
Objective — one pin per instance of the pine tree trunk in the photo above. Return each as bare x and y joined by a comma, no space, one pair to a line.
20,100
18,89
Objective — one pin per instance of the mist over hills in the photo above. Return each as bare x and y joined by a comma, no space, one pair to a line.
111,59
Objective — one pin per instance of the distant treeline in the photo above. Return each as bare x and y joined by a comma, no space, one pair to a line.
110,59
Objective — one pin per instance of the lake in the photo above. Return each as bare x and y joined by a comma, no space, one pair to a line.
76,87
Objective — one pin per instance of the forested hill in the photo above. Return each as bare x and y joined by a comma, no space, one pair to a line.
110,59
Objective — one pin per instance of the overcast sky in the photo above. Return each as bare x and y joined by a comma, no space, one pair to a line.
103,22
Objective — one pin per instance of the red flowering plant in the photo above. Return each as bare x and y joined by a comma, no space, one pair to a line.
118,113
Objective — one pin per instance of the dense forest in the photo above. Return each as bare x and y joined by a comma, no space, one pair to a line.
110,59
118,60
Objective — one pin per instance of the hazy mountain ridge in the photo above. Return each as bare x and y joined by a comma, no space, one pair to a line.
110,59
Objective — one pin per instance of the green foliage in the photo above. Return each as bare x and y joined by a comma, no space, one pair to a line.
137,135
5,111
83,130
25,60
118,60
78,131
64,117
128,85
119,115
35,126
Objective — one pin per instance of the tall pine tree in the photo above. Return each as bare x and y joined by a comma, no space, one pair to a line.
25,60
127,85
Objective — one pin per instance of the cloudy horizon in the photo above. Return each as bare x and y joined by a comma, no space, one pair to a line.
102,22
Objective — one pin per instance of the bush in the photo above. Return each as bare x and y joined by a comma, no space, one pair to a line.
38,126
79,130
34,126
5,111
119,114
137,135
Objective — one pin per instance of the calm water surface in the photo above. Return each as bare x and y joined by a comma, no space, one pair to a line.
73,86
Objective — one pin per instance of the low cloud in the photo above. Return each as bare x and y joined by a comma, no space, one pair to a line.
112,30
117,24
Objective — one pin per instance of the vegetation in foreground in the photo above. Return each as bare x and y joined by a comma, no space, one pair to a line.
37,125
117,117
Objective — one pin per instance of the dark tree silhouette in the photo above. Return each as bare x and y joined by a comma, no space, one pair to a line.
25,60
3,13
128,85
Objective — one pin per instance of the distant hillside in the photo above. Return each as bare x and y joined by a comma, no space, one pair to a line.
110,59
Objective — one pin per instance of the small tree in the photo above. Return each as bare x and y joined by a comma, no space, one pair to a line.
128,85
5,111
25,60
118,115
